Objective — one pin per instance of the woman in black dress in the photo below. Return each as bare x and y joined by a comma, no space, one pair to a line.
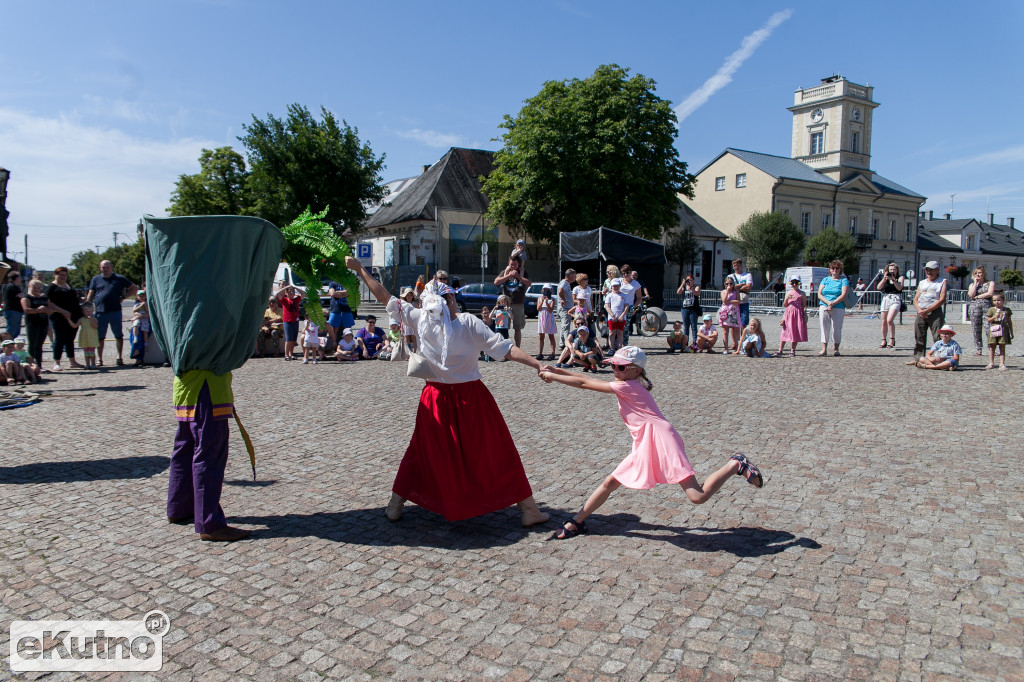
37,310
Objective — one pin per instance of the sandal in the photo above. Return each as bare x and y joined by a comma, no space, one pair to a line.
990,366
748,471
892,344
578,528
884,344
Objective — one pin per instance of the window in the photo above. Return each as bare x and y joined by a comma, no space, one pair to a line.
403,252
874,228
720,184
805,221
970,242
892,230
855,142
785,212
817,143
826,219
853,224
910,232
741,180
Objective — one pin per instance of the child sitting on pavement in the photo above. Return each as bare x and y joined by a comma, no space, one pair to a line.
585,351
945,354
11,365
707,335
28,363
676,338
753,340
349,347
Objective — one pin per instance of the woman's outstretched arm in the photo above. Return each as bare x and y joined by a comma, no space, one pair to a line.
375,287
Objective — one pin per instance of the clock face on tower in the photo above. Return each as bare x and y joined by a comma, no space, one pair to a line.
856,114
817,115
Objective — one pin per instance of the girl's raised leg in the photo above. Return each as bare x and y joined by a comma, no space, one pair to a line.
699,494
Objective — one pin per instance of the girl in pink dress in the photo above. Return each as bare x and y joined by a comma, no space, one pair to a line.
794,320
658,455
729,316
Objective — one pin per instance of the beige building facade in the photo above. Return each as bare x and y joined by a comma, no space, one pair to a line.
826,183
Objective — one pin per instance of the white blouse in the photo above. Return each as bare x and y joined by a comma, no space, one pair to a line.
469,336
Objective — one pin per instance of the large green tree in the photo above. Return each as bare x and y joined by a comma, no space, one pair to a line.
829,245
301,162
219,188
588,153
1011,278
768,242
84,266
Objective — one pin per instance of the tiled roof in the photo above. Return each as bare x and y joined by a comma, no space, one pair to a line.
890,187
1000,240
779,166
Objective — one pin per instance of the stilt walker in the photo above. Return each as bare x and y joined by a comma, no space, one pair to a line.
208,279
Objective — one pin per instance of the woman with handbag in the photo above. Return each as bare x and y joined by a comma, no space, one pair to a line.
980,293
461,461
891,286
691,306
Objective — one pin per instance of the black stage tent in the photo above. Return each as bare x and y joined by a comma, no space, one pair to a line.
591,251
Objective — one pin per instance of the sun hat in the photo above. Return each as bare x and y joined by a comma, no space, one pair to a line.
706,317
931,265
628,355
7,342
616,282
584,328
20,340
406,291
795,279
545,288
346,332
948,329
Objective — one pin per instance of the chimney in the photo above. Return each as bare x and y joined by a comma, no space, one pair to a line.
947,216
991,218
1009,223
931,215
426,167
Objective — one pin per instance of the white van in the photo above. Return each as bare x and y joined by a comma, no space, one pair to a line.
809,277
284,274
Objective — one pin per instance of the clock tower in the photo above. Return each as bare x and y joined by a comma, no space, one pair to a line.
832,127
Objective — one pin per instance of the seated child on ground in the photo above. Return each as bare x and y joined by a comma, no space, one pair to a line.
585,351
945,354
707,335
676,338
11,364
753,340
28,363
349,347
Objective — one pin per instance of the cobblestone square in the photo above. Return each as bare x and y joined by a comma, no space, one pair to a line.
886,543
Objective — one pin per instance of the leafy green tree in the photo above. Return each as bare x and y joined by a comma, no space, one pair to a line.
84,266
1011,278
300,162
128,260
829,245
588,153
768,242
219,188
683,248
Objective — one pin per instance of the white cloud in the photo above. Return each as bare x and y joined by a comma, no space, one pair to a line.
431,138
74,176
118,108
732,63
1003,156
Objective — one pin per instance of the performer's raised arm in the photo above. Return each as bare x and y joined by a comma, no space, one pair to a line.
375,287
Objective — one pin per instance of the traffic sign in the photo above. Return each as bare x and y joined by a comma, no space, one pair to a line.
364,252
483,248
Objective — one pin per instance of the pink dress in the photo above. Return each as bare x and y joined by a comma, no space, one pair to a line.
546,318
658,455
796,324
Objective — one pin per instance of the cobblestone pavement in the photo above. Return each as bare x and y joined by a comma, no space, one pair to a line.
886,543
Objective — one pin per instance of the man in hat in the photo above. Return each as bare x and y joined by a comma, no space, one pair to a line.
929,301
944,354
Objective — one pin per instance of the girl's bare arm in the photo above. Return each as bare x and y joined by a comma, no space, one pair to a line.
575,380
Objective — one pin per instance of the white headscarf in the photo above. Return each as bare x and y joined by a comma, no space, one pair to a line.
435,324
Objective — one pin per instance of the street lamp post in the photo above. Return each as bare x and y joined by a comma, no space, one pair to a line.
5,175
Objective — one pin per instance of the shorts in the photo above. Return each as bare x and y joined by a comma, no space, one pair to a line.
503,333
334,319
890,300
616,325
113,320
291,331
677,346
518,315
953,363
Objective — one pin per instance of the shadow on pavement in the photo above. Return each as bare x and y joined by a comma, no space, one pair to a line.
118,389
417,528
85,470
743,541
249,483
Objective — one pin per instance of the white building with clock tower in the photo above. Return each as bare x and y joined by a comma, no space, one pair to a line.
827,180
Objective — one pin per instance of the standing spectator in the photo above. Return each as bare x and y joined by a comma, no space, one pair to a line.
794,319
691,305
980,293
1000,331
861,288
37,310
563,302
11,296
107,290
612,273
891,286
615,308
372,338
440,277
729,316
831,307
88,338
290,299
929,301
546,321
501,317
514,283
630,291
744,283
64,318
421,284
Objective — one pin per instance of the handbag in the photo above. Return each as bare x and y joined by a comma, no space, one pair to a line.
996,331
419,368
903,306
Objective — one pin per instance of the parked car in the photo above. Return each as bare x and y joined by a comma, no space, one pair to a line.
473,297
533,293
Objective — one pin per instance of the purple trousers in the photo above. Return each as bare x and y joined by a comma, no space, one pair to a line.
197,468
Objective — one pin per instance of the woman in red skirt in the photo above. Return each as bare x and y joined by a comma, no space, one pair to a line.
461,461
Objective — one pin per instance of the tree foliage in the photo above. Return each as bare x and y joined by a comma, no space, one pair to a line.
829,245
301,162
316,253
221,187
128,260
683,248
84,266
768,242
588,153
1011,278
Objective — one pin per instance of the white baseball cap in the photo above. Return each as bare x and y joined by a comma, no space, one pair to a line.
931,265
629,355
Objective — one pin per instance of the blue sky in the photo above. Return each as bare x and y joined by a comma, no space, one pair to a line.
104,103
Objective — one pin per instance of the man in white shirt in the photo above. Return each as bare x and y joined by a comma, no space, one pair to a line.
744,283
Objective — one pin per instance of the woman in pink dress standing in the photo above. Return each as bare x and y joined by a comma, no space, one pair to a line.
658,455
794,319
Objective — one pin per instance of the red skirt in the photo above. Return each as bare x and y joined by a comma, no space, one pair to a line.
461,461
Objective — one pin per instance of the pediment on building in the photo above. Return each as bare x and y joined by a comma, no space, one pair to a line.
859,183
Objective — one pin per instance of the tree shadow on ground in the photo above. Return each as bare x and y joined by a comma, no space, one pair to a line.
85,470
417,528
743,541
